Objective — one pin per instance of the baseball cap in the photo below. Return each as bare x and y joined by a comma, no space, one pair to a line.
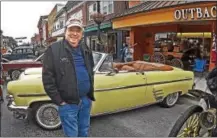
74,22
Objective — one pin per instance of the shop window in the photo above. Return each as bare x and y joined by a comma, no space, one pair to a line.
186,47
107,7
93,44
91,10
78,15
112,43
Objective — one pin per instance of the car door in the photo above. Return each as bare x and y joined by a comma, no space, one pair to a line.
118,91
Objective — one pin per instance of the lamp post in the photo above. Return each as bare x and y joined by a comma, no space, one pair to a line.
98,19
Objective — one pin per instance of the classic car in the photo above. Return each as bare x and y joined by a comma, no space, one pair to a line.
23,52
3,60
15,67
118,87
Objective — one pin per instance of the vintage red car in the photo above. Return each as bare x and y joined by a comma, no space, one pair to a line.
14,68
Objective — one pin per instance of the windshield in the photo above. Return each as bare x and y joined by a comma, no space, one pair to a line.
96,58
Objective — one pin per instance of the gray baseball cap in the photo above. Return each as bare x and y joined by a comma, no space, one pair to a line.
74,22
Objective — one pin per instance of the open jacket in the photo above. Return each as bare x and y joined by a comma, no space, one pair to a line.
59,76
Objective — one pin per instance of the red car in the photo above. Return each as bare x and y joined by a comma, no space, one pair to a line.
14,68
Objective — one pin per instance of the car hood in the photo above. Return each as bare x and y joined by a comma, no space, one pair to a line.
21,61
32,71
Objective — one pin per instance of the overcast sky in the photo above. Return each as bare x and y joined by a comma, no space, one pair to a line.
19,19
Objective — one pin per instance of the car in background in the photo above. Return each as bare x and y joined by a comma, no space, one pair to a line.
23,52
118,87
14,68
3,60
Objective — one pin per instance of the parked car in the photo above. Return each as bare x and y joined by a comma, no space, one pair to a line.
3,60
118,87
23,52
15,67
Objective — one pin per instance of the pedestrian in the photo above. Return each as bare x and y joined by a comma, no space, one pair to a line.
128,51
122,51
68,79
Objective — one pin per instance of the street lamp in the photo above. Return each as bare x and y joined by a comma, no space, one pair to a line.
98,19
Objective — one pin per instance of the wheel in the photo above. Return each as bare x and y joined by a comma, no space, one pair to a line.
158,57
46,116
188,124
15,74
170,100
177,63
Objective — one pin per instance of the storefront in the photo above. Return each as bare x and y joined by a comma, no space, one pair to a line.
111,39
172,30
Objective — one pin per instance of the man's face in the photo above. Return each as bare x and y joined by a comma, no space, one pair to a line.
73,35
128,40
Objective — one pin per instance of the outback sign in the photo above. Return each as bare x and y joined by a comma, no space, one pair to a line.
195,13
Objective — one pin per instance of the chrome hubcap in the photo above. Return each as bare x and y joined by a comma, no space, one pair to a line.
47,116
172,98
15,74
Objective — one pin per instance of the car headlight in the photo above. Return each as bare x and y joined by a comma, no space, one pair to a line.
208,119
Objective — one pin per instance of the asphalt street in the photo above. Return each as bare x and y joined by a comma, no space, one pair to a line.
151,121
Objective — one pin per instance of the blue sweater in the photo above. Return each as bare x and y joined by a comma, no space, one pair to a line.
81,72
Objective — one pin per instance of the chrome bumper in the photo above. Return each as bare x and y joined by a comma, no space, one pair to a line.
19,112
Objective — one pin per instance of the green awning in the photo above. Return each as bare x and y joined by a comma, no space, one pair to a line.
94,28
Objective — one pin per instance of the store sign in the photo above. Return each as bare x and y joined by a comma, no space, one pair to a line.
196,13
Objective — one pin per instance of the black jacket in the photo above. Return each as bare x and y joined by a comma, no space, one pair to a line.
59,76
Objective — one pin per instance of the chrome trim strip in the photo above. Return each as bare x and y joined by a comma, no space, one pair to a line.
139,85
31,95
13,107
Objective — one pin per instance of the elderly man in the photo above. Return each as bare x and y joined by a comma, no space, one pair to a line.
68,79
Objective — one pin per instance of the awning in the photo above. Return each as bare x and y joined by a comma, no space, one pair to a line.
94,28
162,15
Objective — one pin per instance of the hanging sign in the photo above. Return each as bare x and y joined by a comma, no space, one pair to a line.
195,13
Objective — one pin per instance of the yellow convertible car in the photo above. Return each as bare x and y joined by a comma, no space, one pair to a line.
118,87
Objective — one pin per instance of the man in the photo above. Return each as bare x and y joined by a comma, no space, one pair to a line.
128,51
68,79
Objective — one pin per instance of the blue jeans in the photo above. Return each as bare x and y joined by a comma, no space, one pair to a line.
75,119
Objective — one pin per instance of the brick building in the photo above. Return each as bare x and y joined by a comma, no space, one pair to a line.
43,29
